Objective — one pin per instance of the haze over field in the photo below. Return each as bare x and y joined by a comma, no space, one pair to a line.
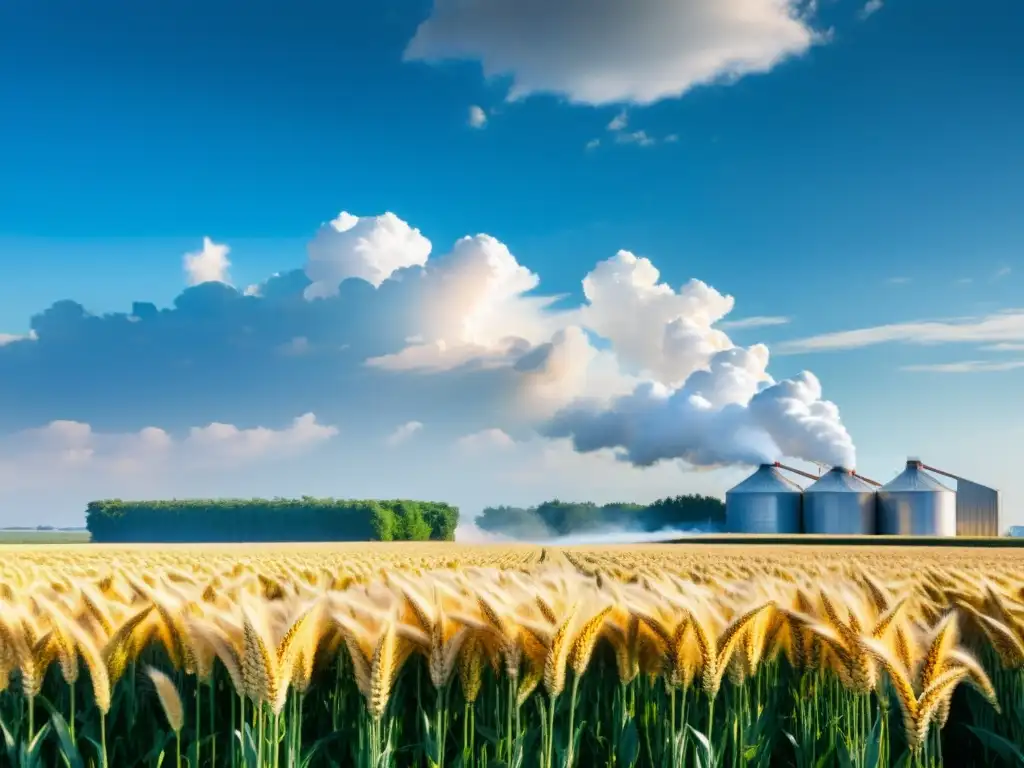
498,253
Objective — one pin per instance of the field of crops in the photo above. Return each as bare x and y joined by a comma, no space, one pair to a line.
447,655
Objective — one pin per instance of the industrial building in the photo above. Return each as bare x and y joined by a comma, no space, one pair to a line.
840,502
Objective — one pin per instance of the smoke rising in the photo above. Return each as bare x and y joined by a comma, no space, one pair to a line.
470,533
731,413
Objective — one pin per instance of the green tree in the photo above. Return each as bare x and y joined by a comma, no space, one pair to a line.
305,519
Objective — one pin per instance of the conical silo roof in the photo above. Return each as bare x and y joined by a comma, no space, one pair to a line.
767,479
914,478
839,480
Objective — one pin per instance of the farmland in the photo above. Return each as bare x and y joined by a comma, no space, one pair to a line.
438,654
15,536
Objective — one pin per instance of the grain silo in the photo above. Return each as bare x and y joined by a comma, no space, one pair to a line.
840,503
766,502
916,504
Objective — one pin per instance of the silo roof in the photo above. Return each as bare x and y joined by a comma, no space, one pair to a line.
913,478
767,479
840,480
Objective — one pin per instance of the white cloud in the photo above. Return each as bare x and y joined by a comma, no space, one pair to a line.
654,330
477,117
1000,327
226,441
757,321
472,305
592,144
210,265
967,366
485,441
1002,272
404,433
605,52
619,122
371,248
870,7
32,457
898,280
640,138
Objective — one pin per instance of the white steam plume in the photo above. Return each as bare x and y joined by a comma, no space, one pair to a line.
470,533
731,413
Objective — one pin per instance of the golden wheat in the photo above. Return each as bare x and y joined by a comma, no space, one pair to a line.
272,626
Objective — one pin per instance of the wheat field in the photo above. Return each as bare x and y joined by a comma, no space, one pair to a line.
376,655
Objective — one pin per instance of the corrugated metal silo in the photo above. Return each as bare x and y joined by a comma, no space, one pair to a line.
916,504
977,509
840,503
766,502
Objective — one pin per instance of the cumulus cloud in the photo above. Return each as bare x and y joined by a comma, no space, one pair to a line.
31,457
370,248
604,51
472,305
477,117
209,265
665,334
229,442
999,327
404,433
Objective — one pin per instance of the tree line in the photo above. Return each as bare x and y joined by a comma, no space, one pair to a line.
561,518
270,520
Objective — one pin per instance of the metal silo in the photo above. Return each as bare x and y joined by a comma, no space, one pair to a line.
840,503
977,509
916,504
766,502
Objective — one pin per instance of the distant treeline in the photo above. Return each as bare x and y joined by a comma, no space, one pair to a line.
242,520
560,518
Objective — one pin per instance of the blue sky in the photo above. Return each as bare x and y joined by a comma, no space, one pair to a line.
854,170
